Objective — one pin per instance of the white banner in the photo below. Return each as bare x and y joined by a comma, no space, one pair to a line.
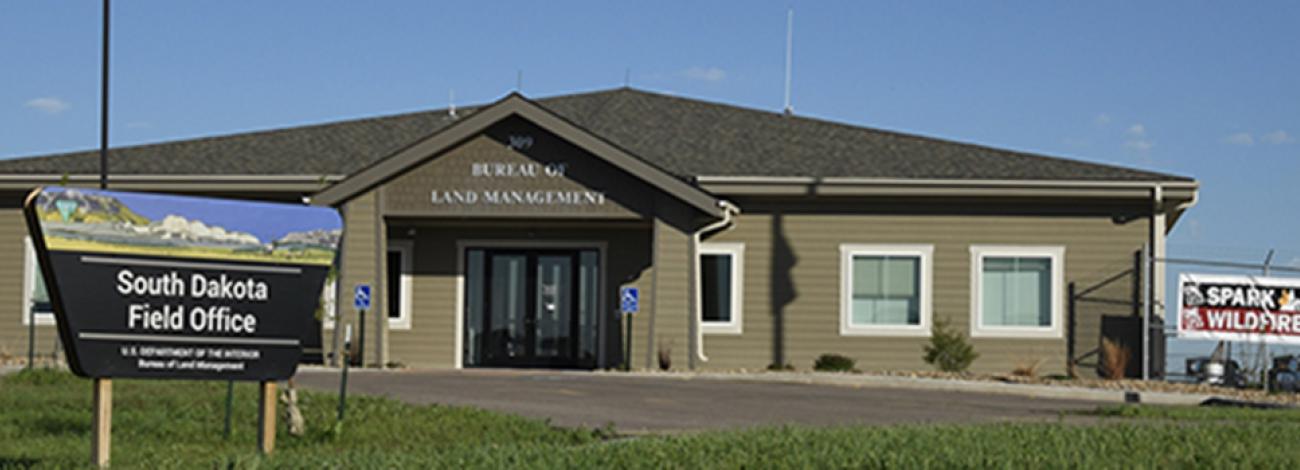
1239,308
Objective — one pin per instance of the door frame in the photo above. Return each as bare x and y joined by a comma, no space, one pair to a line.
466,244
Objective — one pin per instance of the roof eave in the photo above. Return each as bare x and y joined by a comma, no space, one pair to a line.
178,182
1177,190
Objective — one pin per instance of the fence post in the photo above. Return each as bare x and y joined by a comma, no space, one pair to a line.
1069,341
1147,261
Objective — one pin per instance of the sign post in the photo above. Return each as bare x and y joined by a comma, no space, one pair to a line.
168,287
361,301
266,417
629,301
101,426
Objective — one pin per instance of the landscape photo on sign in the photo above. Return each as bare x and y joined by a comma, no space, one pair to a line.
87,220
161,286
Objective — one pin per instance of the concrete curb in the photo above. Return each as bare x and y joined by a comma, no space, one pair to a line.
975,386
1057,392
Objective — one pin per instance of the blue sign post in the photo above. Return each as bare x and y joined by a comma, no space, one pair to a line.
629,300
361,297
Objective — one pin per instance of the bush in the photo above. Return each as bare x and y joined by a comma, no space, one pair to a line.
780,367
833,363
948,349
1027,367
665,356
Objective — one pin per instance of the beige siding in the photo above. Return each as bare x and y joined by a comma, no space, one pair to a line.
13,259
358,267
671,309
792,278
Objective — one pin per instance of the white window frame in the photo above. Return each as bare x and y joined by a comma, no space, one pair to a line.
926,255
977,254
330,303
407,250
736,325
29,280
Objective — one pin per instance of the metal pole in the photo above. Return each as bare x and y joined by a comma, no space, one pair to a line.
230,404
1069,341
31,337
1147,261
103,106
343,388
627,357
343,378
1264,361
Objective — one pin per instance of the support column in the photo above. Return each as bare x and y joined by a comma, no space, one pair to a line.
672,295
381,280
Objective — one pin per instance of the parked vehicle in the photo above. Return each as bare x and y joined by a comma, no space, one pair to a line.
1285,374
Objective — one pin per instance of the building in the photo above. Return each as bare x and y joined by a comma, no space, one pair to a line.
505,234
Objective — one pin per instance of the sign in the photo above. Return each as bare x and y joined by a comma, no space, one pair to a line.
155,286
520,174
1239,308
629,300
361,297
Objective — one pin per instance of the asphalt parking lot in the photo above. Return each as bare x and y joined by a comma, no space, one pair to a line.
681,403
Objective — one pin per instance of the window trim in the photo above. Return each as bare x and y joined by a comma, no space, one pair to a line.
923,251
407,250
29,281
330,303
1056,253
736,325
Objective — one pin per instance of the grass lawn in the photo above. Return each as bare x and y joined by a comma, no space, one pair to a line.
45,421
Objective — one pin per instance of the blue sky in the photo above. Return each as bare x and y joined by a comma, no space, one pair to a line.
1205,89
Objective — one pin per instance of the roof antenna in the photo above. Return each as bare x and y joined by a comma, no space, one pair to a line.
789,58
519,80
627,77
451,104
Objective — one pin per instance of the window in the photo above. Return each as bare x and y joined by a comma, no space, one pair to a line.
720,287
1016,291
36,301
885,290
398,283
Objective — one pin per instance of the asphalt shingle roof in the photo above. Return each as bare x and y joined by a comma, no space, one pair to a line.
685,137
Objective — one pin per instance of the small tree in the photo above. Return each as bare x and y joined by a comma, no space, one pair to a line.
948,349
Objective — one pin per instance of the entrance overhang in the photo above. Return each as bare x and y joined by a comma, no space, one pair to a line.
515,105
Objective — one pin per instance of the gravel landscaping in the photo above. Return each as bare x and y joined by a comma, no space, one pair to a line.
1253,395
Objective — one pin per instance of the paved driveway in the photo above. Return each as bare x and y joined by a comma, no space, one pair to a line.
675,403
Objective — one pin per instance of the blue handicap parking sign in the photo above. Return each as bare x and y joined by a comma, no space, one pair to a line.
361,297
629,298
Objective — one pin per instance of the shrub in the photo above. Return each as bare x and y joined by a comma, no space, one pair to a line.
1114,359
780,367
833,363
665,356
948,349
1027,368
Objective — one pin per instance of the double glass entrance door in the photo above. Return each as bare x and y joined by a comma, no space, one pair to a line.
531,308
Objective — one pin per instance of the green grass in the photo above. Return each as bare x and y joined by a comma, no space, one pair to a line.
45,419
1200,413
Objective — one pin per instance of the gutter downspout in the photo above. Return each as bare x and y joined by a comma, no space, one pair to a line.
729,212
1155,274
